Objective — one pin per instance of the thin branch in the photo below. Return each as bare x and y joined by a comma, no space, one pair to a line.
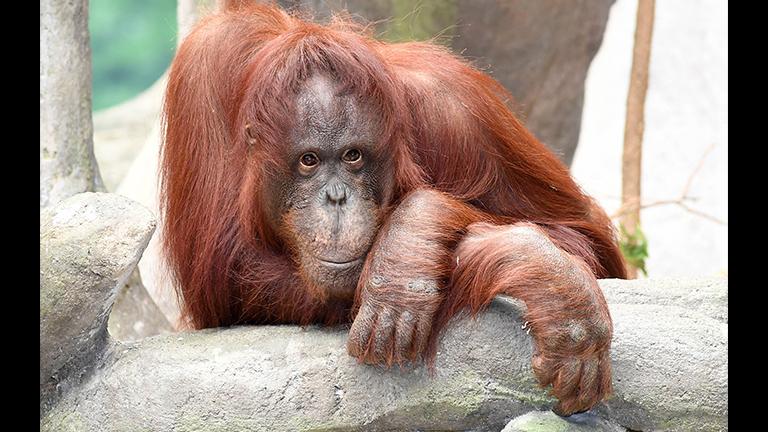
696,170
634,204
702,214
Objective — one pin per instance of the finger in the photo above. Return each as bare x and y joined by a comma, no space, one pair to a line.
403,336
604,376
567,408
567,379
360,332
544,369
420,337
382,337
589,387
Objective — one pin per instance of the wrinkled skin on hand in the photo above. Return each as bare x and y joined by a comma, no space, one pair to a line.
567,313
383,332
399,290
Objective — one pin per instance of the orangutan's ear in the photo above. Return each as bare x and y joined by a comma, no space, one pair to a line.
249,134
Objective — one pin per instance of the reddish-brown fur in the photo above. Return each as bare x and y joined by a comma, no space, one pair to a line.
447,128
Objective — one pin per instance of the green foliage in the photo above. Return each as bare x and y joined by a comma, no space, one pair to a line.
634,247
421,20
133,42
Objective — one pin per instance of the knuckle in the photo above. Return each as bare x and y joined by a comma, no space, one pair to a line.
377,281
423,286
406,318
602,330
576,331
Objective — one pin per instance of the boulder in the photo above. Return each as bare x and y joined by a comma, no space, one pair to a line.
669,362
89,244
135,315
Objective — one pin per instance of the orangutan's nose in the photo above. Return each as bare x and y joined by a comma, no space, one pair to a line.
336,194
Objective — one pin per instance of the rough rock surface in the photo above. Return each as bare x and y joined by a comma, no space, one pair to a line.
89,244
547,421
669,361
669,356
135,315
708,296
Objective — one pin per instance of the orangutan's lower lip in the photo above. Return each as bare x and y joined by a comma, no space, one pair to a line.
341,265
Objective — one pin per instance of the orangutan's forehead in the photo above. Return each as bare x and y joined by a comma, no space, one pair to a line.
326,115
321,109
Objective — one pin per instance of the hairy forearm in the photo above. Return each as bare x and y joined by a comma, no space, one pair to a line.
521,260
414,249
567,312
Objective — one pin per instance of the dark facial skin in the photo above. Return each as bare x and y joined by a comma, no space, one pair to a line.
329,206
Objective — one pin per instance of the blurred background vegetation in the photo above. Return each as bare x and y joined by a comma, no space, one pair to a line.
133,42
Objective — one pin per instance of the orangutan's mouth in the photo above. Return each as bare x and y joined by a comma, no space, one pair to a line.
341,265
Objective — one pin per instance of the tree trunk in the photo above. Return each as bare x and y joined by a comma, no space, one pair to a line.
67,163
635,122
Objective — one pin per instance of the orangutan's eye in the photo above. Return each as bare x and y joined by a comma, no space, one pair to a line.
309,159
352,156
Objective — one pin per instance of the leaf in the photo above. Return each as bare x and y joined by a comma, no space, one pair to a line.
634,247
